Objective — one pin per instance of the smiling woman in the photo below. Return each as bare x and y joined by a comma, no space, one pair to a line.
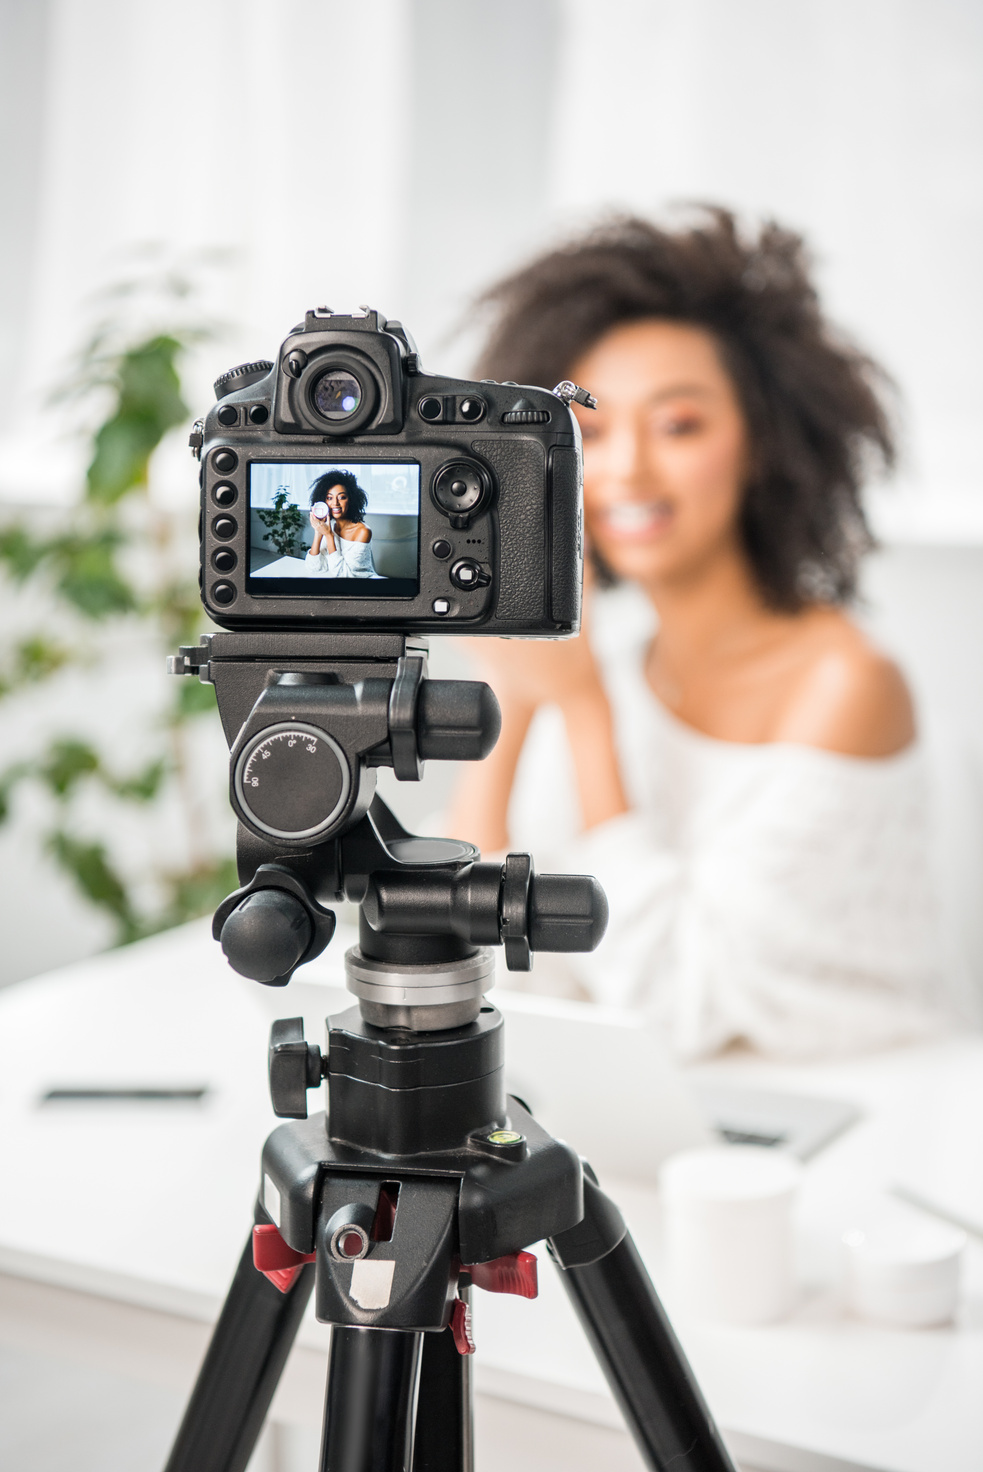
744,762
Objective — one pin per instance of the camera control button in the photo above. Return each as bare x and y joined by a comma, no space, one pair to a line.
258,414
225,527
228,415
224,559
225,461
442,549
471,409
441,606
224,494
469,574
431,408
223,593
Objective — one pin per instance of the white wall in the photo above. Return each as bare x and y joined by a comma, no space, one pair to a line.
857,121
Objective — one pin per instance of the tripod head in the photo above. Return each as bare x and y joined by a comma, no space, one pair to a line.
310,717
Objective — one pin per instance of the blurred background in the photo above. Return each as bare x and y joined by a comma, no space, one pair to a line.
181,182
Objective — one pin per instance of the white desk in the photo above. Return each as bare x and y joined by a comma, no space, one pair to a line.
120,1226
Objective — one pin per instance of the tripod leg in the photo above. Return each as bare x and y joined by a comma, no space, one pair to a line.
444,1440
370,1406
634,1342
240,1371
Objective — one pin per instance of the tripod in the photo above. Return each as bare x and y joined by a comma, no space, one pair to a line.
423,1179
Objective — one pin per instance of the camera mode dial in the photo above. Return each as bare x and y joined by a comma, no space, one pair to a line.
241,377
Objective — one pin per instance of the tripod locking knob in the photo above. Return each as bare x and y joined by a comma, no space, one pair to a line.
266,935
272,924
295,1067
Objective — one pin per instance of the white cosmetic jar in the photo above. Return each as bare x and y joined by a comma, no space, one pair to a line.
904,1272
728,1232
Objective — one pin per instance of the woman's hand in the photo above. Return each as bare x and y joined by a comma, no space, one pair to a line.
537,672
524,674
532,672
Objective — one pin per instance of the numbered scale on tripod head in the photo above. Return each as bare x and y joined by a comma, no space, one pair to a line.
292,781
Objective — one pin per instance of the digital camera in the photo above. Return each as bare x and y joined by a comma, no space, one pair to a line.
344,488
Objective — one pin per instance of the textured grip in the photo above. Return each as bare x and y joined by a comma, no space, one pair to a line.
566,538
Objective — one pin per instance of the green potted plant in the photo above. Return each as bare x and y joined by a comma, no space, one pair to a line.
284,522
117,569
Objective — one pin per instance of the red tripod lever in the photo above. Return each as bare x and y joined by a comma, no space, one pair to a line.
276,1259
514,1273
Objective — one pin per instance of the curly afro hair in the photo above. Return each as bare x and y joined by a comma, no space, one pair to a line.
814,404
358,501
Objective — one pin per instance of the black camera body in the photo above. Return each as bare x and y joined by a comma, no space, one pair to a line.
343,488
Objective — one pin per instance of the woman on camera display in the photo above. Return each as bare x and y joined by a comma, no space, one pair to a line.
340,548
723,747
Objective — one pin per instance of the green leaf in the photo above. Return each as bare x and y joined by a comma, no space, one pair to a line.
88,865
21,552
149,403
34,659
10,779
195,699
65,763
144,786
89,578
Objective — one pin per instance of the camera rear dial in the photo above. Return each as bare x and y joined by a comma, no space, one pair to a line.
461,488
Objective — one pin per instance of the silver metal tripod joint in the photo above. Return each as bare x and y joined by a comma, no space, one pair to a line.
422,998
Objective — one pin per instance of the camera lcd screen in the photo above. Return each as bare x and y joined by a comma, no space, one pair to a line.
335,529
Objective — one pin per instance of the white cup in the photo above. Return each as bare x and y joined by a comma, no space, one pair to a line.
727,1224
904,1271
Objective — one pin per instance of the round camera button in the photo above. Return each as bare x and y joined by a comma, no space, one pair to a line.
471,409
430,409
225,527
442,549
224,559
225,461
223,593
258,414
227,415
224,494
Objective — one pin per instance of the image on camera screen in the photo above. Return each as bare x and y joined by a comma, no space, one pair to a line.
339,529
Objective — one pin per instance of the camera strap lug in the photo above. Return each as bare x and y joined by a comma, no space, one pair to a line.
569,393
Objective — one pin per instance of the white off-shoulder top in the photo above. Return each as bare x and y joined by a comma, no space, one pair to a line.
777,894
349,560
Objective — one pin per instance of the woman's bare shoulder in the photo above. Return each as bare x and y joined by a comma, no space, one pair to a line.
849,696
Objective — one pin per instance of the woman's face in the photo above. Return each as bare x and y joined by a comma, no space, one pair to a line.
665,451
337,499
